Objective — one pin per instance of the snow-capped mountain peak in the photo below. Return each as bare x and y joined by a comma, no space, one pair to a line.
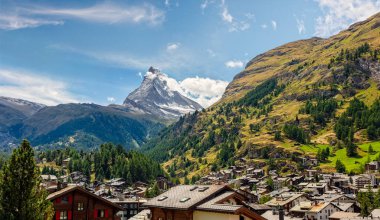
160,95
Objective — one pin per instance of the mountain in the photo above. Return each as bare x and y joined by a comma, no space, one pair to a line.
144,112
85,126
287,104
158,96
14,111
79,125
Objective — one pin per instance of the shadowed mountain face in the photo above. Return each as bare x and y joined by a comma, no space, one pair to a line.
157,96
79,125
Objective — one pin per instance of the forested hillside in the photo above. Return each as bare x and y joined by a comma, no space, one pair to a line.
106,162
290,102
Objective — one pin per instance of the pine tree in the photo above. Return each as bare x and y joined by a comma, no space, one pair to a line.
21,195
370,149
339,166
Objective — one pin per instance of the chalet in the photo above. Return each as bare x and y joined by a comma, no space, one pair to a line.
131,206
314,210
287,200
317,188
373,166
200,202
74,202
163,183
49,182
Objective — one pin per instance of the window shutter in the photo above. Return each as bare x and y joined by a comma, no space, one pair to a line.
70,198
95,213
69,215
106,213
57,215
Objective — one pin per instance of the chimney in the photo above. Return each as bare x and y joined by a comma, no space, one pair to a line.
281,213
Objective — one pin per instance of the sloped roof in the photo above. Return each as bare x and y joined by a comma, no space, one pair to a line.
69,189
193,194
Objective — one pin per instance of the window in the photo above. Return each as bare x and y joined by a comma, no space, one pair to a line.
241,218
101,213
65,199
63,215
80,206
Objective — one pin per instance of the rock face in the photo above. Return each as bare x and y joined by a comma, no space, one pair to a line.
158,96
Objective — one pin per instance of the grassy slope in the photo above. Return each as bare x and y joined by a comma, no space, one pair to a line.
316,53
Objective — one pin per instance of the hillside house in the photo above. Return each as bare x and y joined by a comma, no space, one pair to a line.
74,202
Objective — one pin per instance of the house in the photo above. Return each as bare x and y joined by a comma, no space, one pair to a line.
373,166
65,162
163,183
316,188
287,200
74,202
49,182
343,215
313,210
200,202
361,181
131,206
280,182
258,173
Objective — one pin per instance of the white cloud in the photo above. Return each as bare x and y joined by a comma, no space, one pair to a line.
111,99
301,26
233,23
172,46
167,3
226,16
339,14
234,64
29,86
204,91
12,22
108,13
274,25
264,26
140,75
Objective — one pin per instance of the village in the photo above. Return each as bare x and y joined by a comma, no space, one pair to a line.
239,192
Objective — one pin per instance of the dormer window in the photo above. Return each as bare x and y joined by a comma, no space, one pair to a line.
162,198
184,199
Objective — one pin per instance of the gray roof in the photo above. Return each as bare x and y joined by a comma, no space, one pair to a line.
191,195
343,205
213,206
341,215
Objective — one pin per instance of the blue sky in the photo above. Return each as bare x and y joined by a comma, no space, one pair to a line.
97,51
